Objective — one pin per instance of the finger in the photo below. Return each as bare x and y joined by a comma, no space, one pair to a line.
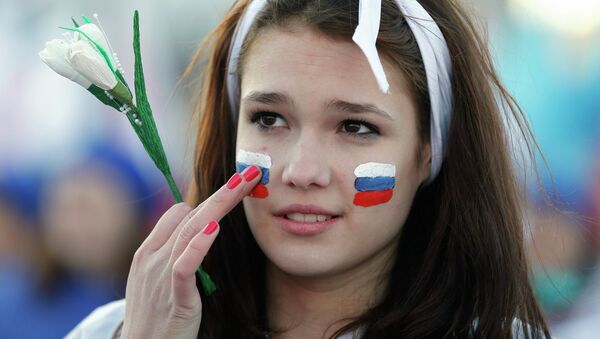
168,245
184,268
166,225
216,206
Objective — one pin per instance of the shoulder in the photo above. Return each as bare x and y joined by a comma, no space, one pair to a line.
101,323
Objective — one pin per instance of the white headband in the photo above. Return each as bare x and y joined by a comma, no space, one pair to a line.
434,51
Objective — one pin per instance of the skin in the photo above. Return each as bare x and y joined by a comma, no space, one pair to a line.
312,281
316,280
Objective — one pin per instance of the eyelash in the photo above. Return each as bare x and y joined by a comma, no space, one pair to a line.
374,131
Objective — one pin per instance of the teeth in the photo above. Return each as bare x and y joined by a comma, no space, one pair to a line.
307,217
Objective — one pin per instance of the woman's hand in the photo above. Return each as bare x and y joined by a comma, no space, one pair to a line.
162,300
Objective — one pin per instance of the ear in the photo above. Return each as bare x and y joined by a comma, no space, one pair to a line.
425,164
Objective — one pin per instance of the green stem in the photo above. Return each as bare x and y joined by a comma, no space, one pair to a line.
207,283
173,187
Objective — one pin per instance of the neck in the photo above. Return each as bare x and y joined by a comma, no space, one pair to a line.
316,307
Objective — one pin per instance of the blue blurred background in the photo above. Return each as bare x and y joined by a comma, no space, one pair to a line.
78,193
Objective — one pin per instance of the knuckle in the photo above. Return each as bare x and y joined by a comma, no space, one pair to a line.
196,247
223,199
219,198
182,208
189,230
140,262
185,313
189,213
178,273
139,257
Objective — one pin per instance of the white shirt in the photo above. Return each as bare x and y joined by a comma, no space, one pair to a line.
101,323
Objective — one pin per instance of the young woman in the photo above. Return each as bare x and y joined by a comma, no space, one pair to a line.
375,175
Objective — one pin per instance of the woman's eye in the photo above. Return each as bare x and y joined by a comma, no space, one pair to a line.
359,128
267,120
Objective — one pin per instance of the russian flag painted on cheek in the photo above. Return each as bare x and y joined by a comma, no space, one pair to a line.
262,161
375,183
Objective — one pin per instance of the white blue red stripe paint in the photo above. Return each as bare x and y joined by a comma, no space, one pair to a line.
375,183
262,161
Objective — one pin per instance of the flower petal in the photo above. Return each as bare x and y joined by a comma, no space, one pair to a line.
86,60
54,56
94,33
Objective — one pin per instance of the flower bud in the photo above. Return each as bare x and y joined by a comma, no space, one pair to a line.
54,55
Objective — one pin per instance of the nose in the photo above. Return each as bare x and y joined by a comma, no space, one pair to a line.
306,165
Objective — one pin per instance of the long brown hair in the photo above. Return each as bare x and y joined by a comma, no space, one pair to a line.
461,257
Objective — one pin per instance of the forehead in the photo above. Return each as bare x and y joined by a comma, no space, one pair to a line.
305,63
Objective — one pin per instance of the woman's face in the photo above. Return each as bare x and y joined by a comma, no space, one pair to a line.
311,107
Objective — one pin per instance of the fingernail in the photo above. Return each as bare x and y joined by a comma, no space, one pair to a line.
211,227
250,172
234,181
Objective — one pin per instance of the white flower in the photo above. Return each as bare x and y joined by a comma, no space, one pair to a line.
54,55
78,57
88,62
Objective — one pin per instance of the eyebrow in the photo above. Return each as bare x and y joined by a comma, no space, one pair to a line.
335,104
357,108
268,98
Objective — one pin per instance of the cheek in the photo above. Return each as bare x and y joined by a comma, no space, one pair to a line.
262,160
378,215
374,183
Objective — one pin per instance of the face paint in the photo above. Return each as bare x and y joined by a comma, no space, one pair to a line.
263,161
374,183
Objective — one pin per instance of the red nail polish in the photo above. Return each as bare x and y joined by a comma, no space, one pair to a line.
234,181
250,172
210,228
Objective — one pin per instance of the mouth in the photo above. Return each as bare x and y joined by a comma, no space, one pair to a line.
306,220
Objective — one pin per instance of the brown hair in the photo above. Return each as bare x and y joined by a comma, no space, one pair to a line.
460,259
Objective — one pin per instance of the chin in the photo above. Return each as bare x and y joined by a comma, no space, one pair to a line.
306,261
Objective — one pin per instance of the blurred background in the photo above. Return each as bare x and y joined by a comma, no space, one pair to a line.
78,193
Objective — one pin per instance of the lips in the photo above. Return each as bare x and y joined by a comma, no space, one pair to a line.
308,212
306,220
